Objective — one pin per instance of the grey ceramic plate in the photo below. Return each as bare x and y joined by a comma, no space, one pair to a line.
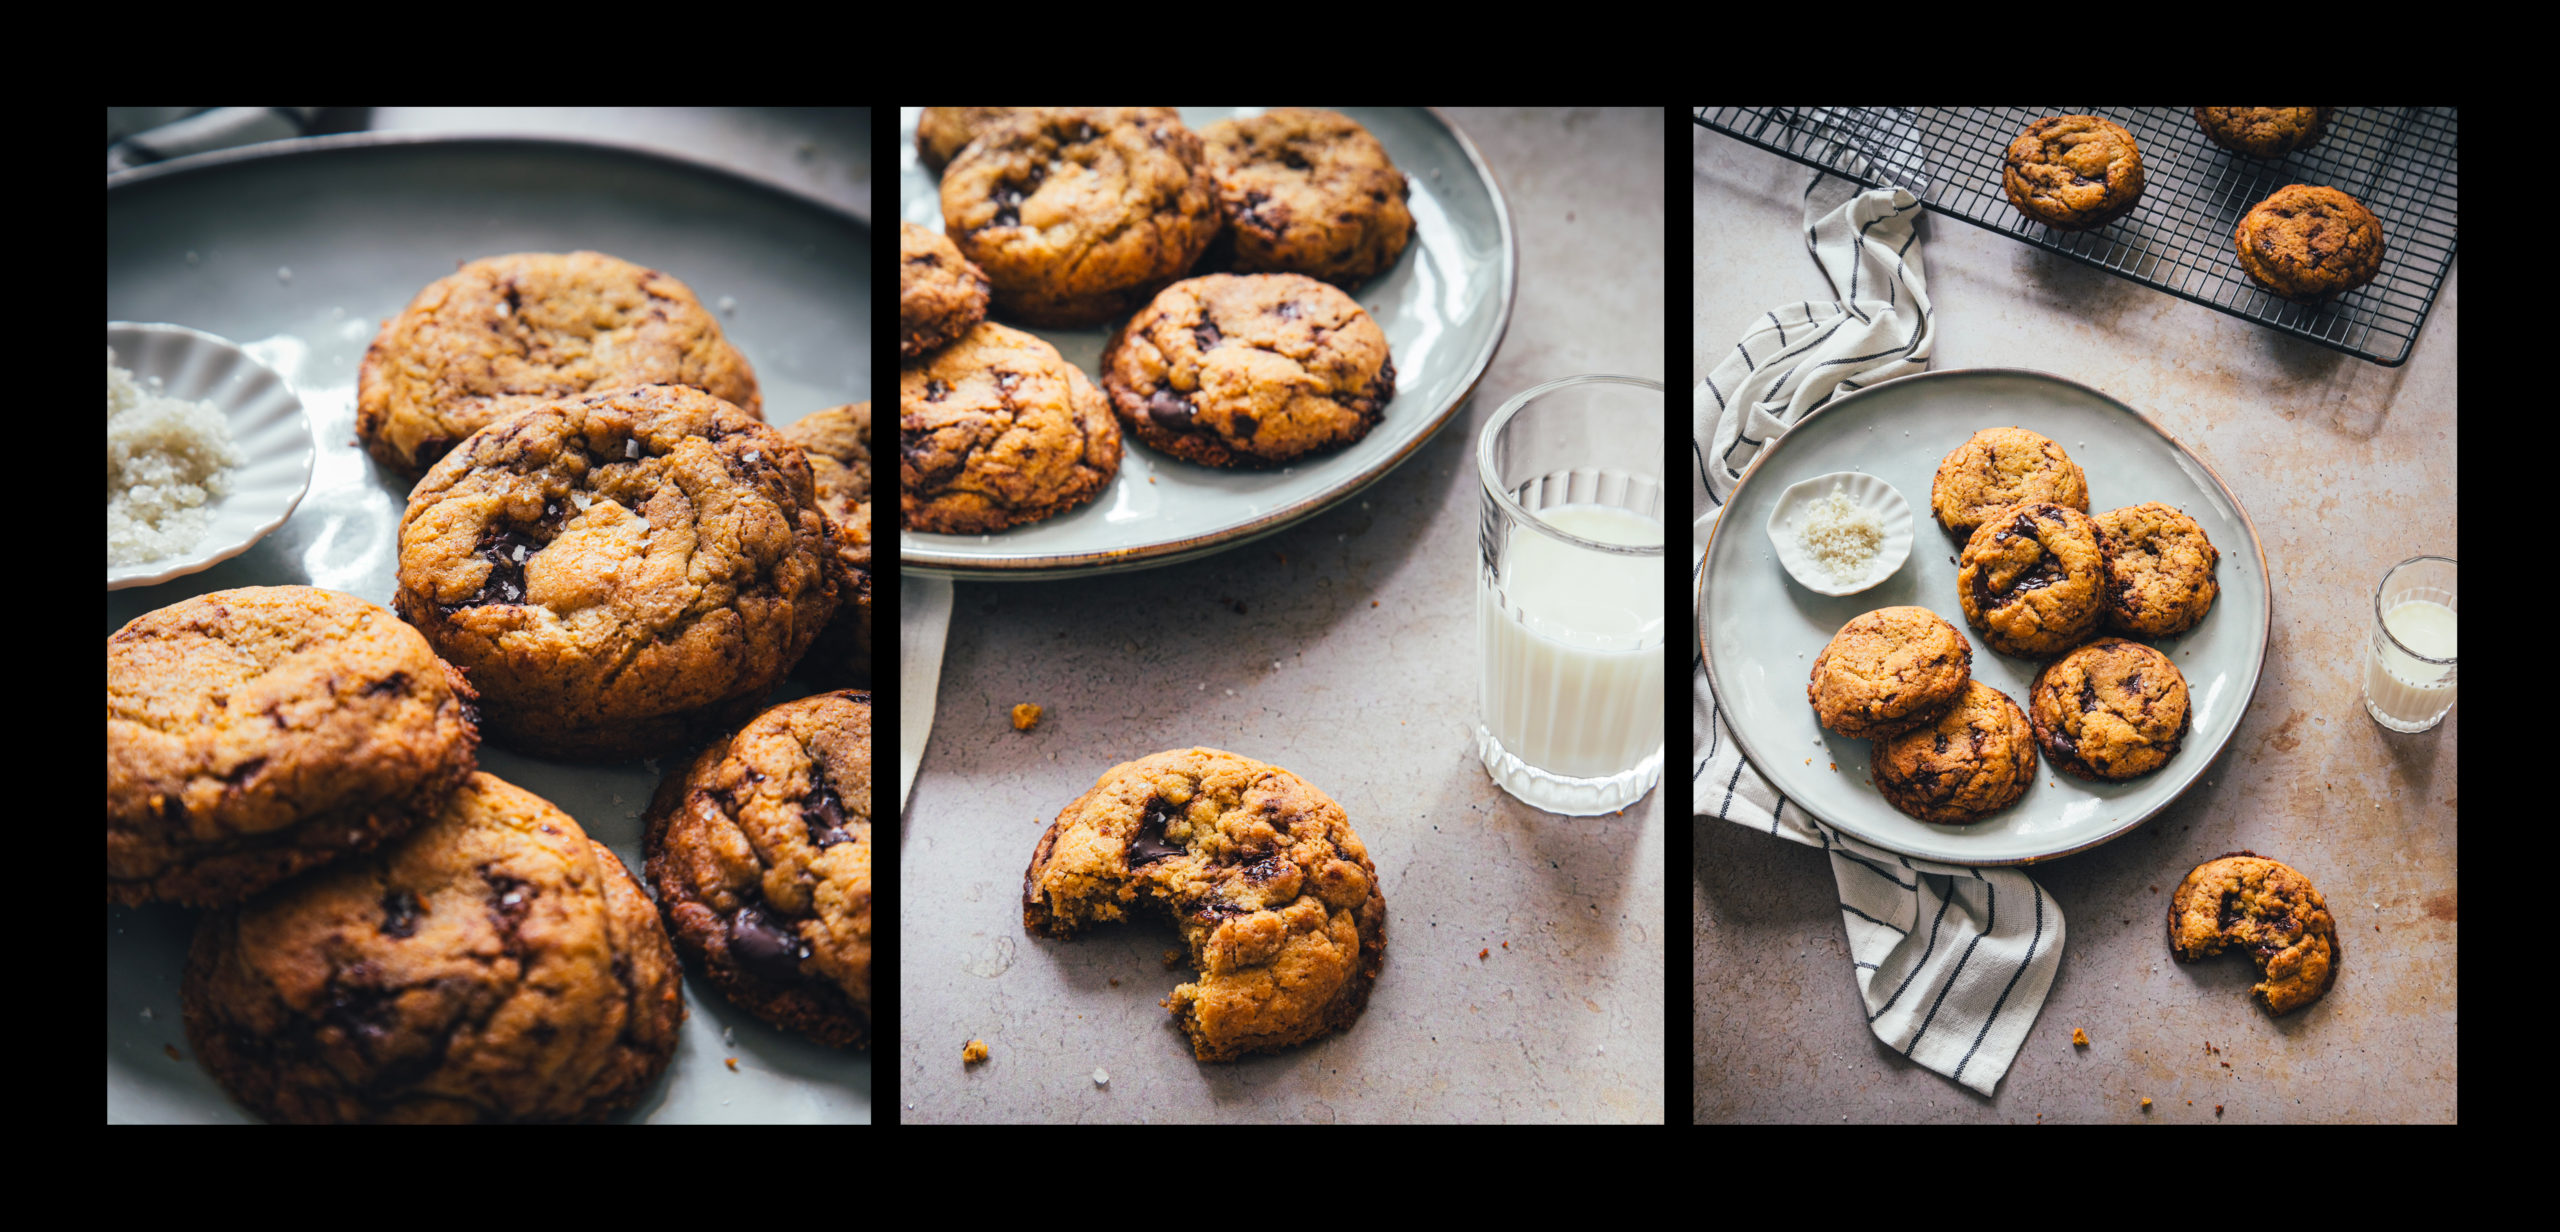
1760,631
298,253
1444,305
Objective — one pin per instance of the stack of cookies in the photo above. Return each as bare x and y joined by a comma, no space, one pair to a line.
1075,217
608,555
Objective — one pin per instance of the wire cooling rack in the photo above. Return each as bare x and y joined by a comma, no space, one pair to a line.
2399,161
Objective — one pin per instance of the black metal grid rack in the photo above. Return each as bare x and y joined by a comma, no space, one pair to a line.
2399,161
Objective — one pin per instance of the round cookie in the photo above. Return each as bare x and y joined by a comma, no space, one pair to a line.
255,733
942,132
505,333
1249,370
2263,132
2032,581
1273,892
1888,671
2246,901
1999,467
996,430
1976,759
621,573
2306,241
2073,173
760,851
2159,569
1079,214
1308,191
2112,709
838,443
495,965
941,294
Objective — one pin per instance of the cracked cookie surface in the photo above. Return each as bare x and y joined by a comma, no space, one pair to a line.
620,573
1273,892
941,294
494,965
1977,758
760,851
1309,191
2263,132
2112,709
1079,214
2031,580
1999,467
2159,569
838,444
2306,241
505,333
996,430
2073,172
258,732
2267,910
1888,671
1249,370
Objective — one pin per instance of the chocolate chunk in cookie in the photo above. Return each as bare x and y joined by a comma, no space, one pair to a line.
1249,370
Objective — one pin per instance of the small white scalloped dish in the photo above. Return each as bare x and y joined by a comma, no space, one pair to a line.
1786,529
266,422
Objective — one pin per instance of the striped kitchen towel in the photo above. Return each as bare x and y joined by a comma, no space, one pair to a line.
1954,962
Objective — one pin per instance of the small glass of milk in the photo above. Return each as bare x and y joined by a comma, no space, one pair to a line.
1570,589
2408,672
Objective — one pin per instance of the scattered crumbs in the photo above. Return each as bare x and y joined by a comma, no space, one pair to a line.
1506,945
1373,603
1808,761
284,273
2226,1065
1484,954
733,1065
1835,767
2146,1103
2155,889
1101,1076
1151,479
1115,981
2217,1110
172,1050
973,1052
2079,1038
1172,956
1026,716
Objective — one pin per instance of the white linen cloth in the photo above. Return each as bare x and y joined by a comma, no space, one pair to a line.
924,618
1954,962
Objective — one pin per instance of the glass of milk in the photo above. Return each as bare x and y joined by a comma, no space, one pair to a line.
2408,672
1569,597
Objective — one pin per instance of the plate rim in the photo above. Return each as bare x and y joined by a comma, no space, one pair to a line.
2258,657
1115,560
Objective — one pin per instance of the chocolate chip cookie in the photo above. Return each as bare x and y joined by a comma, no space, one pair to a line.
838,443
621,573
2074,172
2263,132
255,733
1309,191
1999,467
760,851
942,132
941,294
1888,671
1249,370
494,965
504,333
1079,214
996,430
1975,760
1272,890
2306,241
2112,709
2032,581
2246,901
2159,569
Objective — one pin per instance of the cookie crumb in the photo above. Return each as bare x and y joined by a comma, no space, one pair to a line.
1373,603
1115,981
1506,945
973,1052
1025,717
2217,1110
2079,1038
172,1050
1172,956
2146,1103
733,1065
1483,954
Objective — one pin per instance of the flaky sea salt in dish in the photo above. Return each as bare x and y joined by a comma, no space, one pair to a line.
168,463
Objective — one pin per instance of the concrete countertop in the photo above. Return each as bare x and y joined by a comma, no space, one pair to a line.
1344,650
2346,468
